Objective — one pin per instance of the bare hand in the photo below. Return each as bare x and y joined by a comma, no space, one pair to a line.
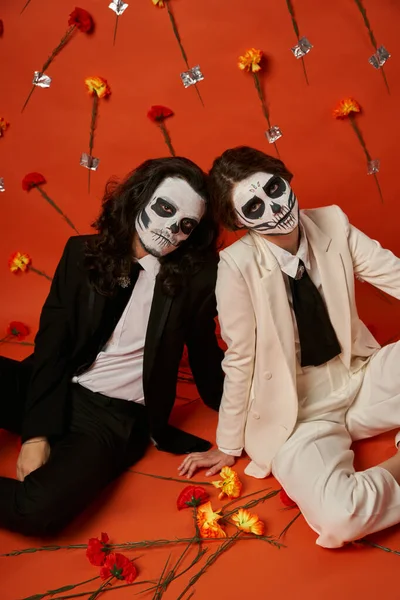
213,458
33,455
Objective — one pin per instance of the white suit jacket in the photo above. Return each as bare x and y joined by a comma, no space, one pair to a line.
259,404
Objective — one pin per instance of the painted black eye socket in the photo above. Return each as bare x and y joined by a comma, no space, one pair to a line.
254,208
187,226
163,208
275,187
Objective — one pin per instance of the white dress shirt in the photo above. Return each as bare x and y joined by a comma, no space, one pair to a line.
118,369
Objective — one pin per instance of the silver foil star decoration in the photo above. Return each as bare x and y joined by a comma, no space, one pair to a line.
118,7
302,48
273,134
89,162
378,59
41,80
192,76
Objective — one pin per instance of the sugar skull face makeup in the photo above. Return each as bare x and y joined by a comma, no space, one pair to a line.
267,204
168,219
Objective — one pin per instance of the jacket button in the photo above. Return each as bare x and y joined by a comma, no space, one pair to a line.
267,375
256,415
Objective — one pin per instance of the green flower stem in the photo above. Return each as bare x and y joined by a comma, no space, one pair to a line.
288,526
65,588
54,205
167,137
211,560
374,44
366,152
56,50
373,545
95,107
185,481
41,273
178,38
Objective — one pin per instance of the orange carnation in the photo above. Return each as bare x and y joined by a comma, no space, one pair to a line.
229,484
250,61
207,521
159,3
346,107
246,521
98,86
19,262
211,530
205,513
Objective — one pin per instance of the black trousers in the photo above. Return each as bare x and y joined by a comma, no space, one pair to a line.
104,436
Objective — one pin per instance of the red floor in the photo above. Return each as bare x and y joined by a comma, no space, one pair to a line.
139,508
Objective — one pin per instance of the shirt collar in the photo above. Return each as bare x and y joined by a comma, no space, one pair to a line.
289,263
150,264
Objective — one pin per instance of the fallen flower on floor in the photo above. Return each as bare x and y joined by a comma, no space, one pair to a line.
18,330
119,566
284,498
229,484
248,522
207,521
191,495
98,549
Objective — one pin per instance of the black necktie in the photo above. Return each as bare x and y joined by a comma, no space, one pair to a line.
318,340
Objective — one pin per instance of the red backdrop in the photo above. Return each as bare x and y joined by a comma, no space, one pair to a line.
143,68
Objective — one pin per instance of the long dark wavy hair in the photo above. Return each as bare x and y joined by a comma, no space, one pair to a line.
109,254
230,168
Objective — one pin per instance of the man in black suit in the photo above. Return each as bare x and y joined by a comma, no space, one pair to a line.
102,380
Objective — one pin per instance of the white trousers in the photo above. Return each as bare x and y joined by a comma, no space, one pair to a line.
316,464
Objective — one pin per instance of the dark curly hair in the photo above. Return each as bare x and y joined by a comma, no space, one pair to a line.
109,254
230,168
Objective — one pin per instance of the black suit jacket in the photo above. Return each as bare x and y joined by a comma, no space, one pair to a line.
76,322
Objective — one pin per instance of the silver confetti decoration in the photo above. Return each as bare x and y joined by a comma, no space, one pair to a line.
192,76
89,162
118,7
2,186
378,59
41,80
273,134
373,166
302,48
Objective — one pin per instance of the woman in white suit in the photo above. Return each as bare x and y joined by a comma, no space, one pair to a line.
304,377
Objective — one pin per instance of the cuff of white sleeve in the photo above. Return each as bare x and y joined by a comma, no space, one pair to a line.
237,452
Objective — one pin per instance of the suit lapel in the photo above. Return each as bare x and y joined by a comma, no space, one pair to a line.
333,279
159,312
273,287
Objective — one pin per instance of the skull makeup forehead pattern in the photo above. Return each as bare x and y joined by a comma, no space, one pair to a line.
266,203
168,219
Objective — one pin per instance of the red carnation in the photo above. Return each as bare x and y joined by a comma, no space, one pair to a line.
1,28
192,495
158,114
286,500
18,330
32,180
119,566
97,550
81,19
